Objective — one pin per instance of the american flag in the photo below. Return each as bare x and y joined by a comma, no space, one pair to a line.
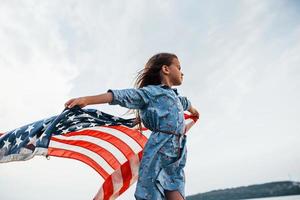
110,145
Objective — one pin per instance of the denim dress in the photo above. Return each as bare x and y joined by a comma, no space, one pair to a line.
164,155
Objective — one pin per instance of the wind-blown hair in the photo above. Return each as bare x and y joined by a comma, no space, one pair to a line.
150,75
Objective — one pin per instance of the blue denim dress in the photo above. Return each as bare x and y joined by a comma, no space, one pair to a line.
161,168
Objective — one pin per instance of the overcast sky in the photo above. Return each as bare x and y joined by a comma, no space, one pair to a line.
241,67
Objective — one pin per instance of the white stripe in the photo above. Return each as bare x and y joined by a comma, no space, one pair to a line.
117,181
100,194
100,142
134,166
134,163
98,159
147,133
122,136
188,124
189,120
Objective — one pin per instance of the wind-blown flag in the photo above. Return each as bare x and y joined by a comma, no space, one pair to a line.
109,144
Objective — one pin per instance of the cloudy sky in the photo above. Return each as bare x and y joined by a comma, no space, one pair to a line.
241,67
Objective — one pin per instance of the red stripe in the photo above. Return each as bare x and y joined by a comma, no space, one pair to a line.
78,156
126,175
140,154
117,142
186,116
108,188
106,155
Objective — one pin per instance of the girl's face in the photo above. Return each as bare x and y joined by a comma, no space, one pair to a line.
175,75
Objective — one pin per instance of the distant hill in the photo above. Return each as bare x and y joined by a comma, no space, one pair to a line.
272,189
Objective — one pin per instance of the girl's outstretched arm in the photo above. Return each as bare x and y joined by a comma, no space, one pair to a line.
88,100
194,111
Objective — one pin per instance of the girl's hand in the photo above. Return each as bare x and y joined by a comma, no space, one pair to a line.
80,101
194,112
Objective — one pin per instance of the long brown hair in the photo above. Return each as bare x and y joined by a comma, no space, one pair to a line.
150,75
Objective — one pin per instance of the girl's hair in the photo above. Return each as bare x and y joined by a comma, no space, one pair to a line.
150,75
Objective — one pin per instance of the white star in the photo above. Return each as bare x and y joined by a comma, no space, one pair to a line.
61,128
91,119
29,128
115,118
6,143
98,113
75,122
41,137
78,127
32,140
71,118
19,140
84,115
65,131
44,125
92,124
57,125
15,131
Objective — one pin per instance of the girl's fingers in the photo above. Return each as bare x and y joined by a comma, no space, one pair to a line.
70,103
74,103
67,103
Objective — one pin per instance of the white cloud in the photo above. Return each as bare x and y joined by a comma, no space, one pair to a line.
35,68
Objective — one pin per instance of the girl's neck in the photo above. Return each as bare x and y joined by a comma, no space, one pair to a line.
166,82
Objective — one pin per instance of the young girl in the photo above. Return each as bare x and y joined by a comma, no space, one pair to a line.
160,108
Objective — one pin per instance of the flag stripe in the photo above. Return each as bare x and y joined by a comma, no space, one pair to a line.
78,156
108,146
105,154
131,174
127,174
134,134
92,155
116,142
107,188
121,135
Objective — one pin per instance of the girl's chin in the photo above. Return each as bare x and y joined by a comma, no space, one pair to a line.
179,83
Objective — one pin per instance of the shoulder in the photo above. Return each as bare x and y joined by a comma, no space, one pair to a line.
153,90
161,90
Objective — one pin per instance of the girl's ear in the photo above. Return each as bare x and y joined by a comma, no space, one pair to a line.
165,69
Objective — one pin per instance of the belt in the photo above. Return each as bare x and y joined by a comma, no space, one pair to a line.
167,132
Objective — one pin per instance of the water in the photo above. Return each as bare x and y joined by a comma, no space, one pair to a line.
292,197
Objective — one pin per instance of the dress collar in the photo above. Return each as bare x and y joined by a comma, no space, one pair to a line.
168,87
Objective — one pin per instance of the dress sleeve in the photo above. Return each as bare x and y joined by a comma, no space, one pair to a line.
186,104
130,98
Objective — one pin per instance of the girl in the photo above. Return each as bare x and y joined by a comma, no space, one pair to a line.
160,108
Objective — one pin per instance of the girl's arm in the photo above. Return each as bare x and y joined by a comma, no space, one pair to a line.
194,111
88,100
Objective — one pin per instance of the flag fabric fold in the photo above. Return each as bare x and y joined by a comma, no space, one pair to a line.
110,145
